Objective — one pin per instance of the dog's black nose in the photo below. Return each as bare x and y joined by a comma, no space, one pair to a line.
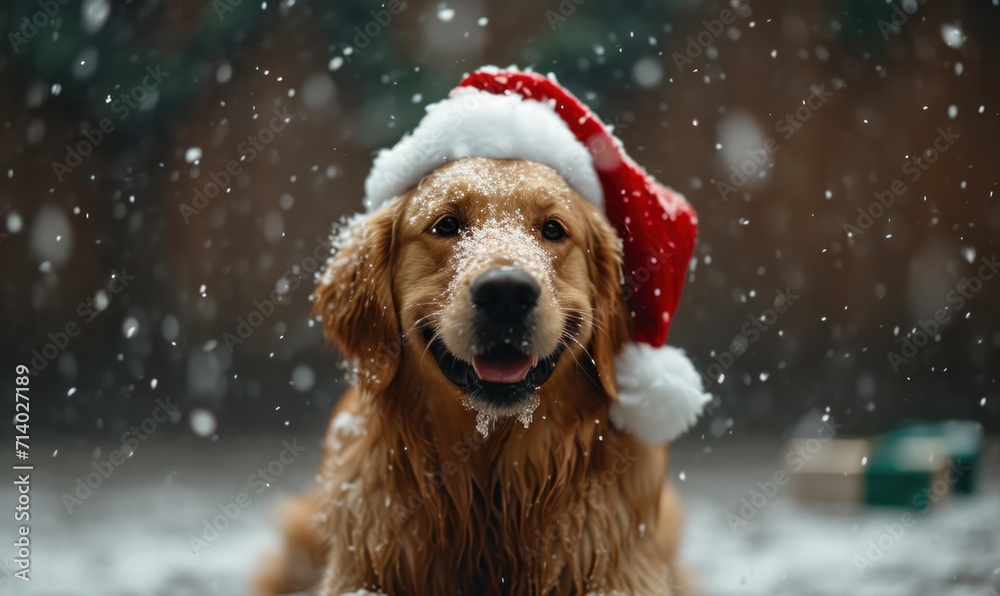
505,295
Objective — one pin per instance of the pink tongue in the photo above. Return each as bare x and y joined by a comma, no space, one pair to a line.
502,371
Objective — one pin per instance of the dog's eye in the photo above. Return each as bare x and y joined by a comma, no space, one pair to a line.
553,230
446,226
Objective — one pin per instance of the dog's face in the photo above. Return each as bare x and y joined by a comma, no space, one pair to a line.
497,270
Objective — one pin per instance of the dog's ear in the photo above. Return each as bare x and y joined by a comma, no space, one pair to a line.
354,297
611,317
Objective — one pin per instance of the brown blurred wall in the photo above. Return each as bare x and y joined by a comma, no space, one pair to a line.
829,349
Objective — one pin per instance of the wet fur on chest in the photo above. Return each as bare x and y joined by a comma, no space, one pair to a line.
427,505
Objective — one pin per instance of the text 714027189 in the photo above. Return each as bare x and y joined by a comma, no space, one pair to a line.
22,473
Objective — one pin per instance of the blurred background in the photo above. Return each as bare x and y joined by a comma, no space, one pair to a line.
170,168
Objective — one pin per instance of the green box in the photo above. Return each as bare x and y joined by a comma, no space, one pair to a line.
902,470
964,441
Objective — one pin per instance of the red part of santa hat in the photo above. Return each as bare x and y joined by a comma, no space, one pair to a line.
657,225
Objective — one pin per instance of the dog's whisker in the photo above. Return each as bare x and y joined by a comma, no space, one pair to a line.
431,303
420,321
582,317
427,320
572,337
434,337
575,359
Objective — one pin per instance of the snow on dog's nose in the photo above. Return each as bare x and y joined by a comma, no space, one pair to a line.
498,244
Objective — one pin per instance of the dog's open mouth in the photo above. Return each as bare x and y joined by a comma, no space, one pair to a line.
502,377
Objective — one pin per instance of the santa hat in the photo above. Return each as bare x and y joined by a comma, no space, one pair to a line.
505,114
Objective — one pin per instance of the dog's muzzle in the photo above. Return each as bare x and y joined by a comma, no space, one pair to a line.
505,301
502,371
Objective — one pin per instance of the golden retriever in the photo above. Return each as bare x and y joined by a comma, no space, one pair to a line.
482,311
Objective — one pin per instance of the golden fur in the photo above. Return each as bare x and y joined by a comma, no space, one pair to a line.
412,499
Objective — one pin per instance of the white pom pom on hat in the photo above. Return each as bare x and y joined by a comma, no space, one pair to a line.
659,393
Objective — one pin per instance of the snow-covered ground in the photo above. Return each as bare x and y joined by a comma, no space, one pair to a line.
133,534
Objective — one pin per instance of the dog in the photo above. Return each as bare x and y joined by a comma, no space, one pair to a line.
482,310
